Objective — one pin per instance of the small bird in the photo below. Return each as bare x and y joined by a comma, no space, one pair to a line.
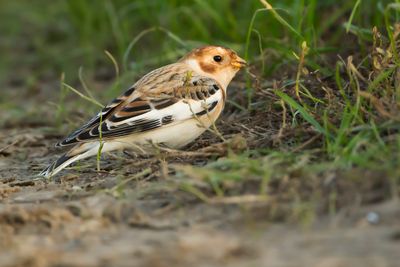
170,106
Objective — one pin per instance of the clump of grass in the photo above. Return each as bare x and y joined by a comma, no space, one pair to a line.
350,116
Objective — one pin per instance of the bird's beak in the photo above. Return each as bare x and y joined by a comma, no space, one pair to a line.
239,62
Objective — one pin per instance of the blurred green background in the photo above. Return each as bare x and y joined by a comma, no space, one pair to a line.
41,39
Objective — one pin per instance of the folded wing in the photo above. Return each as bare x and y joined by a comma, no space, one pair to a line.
163,97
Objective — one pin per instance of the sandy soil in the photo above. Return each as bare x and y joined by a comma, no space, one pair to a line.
80,219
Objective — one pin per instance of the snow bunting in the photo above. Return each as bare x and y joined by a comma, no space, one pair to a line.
170,106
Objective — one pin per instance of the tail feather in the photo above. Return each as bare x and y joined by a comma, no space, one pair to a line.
76,153
57,166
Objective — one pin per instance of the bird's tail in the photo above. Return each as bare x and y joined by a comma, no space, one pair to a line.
78,152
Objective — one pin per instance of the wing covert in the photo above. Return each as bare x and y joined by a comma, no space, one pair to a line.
158,99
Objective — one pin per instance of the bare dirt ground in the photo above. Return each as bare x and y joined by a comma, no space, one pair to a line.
82,219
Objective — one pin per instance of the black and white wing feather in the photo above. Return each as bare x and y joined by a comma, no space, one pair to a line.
165,96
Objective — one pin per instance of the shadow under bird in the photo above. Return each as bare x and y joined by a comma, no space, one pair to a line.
172,106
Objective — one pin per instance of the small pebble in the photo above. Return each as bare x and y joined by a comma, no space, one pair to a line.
373,217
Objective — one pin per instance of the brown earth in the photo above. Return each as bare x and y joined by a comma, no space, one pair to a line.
89,218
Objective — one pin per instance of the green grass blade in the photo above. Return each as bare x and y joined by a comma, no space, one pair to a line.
353,12
280,19
306,115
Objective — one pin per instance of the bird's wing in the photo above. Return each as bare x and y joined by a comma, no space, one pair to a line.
165,96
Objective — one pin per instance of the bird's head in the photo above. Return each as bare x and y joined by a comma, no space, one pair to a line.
217,62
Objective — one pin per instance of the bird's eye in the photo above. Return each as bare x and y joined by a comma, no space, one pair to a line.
217,58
